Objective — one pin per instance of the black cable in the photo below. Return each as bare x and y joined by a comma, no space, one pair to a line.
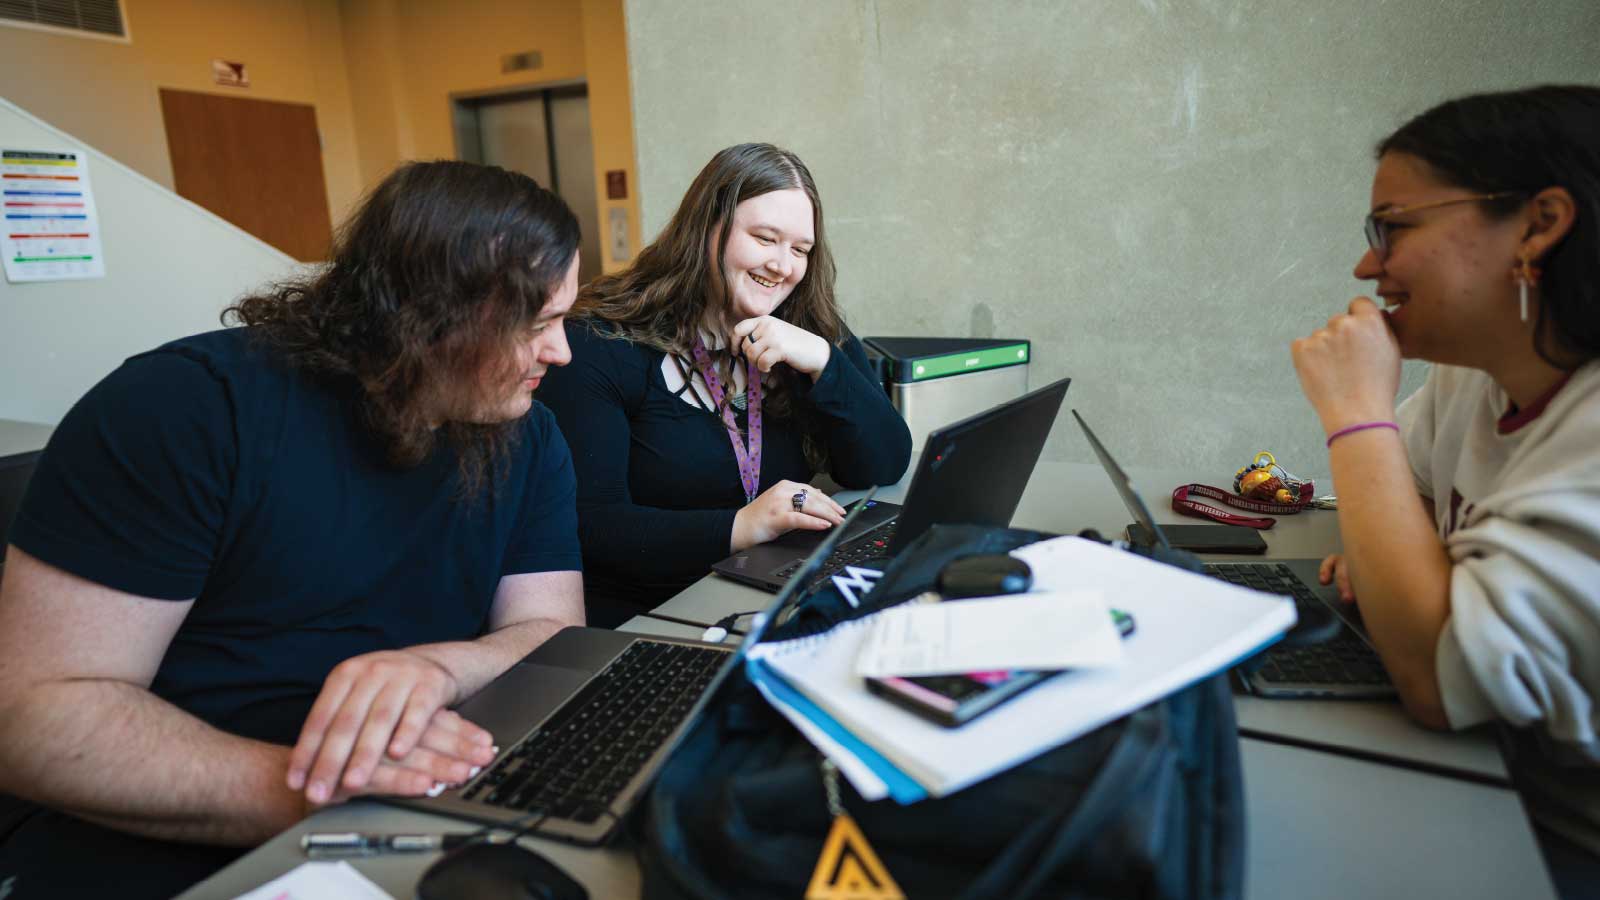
719,631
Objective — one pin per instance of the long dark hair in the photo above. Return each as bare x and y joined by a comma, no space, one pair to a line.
1521,142
661,300
430,283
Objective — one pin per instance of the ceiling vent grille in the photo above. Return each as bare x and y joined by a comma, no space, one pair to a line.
96,17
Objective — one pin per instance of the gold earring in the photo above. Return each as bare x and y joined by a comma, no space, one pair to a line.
1526,275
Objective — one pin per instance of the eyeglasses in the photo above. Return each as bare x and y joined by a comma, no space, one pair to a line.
1377,228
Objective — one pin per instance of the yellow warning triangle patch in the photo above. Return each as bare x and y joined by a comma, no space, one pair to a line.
848,869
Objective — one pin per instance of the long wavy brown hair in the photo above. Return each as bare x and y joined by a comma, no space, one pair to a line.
664,297
431,283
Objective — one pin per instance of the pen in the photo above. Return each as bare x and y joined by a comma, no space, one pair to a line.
354,843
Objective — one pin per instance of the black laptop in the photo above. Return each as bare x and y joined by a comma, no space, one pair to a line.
588,718
972,471
1344,665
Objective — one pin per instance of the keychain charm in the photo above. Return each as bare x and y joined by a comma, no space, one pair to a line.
848,869
1264,480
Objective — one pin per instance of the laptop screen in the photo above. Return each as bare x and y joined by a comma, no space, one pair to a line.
975,470
1124,485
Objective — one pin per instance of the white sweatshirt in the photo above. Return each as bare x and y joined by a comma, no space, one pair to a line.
1517,501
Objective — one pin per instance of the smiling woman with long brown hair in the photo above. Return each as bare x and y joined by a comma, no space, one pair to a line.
710,381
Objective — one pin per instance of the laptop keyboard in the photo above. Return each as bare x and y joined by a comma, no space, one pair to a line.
1344,660
581,758
870,545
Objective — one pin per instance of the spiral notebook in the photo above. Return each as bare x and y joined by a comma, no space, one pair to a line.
1190,627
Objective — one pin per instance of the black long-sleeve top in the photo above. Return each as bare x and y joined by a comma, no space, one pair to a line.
658,483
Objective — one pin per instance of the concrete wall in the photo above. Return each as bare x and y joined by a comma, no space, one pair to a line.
1161,194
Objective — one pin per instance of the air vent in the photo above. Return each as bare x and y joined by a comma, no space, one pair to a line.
96,17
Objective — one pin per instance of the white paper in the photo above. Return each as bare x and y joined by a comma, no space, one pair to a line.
1187,627
1046,630
319,881
51,230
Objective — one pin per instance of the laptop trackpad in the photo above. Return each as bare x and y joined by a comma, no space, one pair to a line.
520,698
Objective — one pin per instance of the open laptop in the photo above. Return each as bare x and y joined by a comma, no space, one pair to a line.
971,471
1345,665
589,717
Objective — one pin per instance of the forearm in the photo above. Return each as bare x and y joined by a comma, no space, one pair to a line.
1398,565
477,662
654,545
867,440
115,754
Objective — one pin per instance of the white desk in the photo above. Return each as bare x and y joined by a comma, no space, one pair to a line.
1319,826
607,873
1320,823
23,437
1068,497
1326,827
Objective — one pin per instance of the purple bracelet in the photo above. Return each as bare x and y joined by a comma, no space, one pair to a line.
1362,426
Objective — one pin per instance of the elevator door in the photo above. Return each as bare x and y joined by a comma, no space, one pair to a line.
544,135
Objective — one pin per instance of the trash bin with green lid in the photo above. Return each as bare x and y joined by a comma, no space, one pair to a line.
936,381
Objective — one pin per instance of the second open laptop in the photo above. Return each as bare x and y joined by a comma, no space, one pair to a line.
972,471
589,717
1343,666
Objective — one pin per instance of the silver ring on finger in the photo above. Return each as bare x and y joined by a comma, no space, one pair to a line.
798,501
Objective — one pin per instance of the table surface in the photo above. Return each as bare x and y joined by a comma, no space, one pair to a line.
1336,805
23,437
1067,497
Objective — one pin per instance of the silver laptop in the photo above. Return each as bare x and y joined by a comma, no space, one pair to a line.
588,718
1341,665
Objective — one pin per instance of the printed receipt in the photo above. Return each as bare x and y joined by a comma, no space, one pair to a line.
1047,630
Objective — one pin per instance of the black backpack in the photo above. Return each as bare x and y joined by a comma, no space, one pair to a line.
1151,805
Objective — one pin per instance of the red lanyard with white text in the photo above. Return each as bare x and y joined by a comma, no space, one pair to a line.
1182,503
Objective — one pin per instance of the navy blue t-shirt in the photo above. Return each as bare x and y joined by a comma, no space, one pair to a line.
208,469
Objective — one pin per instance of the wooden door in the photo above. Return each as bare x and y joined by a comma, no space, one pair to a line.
256,163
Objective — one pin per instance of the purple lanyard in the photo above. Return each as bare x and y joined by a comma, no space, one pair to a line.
749,459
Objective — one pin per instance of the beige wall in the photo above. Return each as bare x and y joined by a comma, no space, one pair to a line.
605,48
100,90
379,72
373,57
48,355
408,58
107,92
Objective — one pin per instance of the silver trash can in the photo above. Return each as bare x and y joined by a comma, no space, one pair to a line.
936,381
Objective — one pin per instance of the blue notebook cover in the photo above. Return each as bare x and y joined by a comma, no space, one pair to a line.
902,787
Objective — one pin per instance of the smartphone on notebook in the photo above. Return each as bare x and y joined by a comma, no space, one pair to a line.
954,700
